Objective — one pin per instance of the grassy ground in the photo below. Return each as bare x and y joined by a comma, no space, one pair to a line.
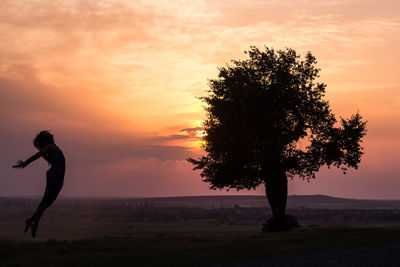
165,247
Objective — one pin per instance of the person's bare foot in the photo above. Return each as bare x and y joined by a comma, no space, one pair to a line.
28,223
34,227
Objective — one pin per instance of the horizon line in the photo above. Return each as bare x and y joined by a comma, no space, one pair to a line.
187,196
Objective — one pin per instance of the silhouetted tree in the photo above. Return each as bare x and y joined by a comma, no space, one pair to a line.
267,121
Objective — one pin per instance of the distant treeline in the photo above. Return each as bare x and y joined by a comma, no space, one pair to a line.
144,211
293,202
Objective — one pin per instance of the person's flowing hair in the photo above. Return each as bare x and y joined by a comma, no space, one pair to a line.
42,139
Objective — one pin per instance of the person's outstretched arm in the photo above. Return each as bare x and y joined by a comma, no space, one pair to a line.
22,164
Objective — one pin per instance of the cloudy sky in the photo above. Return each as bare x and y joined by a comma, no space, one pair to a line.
117,81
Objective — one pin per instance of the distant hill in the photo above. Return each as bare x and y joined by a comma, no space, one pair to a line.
294,202
322,201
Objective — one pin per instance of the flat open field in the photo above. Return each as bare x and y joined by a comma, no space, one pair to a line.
176,232
171,245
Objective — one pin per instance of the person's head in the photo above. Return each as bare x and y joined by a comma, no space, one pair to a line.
42,139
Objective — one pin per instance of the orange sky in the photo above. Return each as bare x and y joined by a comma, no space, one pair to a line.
116,81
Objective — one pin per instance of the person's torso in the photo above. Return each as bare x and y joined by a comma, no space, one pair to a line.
55,157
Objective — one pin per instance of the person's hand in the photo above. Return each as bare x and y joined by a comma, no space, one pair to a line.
20,164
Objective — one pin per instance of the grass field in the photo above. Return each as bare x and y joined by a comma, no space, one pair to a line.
136,232
172,245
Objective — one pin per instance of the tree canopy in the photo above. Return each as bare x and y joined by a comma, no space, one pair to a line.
267,118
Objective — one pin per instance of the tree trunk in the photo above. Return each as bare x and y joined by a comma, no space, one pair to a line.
276,191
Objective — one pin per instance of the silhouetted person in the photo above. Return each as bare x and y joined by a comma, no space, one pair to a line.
44,142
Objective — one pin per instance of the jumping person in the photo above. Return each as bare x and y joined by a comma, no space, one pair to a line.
44,142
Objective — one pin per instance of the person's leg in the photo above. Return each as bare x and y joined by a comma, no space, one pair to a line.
50,194
39,209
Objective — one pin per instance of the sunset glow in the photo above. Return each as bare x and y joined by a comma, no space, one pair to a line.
118,83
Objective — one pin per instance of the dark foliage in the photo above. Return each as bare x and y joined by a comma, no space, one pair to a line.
267,120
